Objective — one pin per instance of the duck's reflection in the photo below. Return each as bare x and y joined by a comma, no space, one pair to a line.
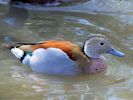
15,17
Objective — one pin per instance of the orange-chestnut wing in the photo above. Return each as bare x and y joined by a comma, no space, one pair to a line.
65,46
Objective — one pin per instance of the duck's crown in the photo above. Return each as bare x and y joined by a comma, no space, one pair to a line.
96,37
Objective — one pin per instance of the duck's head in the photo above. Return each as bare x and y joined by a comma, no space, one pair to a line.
97,45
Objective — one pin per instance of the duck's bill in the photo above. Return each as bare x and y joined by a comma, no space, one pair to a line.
116,52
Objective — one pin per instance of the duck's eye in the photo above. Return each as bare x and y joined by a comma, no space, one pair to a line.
101,43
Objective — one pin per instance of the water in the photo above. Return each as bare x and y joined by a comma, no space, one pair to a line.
73,22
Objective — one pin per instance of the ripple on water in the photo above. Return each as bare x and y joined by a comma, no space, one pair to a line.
128,41
94,6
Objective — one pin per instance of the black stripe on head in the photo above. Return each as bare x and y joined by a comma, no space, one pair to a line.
82,48
22,58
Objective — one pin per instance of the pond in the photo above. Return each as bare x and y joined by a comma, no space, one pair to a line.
73,22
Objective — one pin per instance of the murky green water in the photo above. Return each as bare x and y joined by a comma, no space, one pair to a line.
113,18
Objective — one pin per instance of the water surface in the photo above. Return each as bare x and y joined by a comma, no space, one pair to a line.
73,22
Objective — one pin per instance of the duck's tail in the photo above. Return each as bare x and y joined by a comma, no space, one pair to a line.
20,54
8,46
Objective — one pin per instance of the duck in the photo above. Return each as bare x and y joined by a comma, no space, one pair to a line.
42,1
65,57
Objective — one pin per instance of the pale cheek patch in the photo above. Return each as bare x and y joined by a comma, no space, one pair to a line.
96,66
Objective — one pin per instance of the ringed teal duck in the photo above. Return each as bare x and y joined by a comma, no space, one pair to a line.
65,57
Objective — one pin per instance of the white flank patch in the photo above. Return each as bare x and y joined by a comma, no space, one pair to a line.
17,52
